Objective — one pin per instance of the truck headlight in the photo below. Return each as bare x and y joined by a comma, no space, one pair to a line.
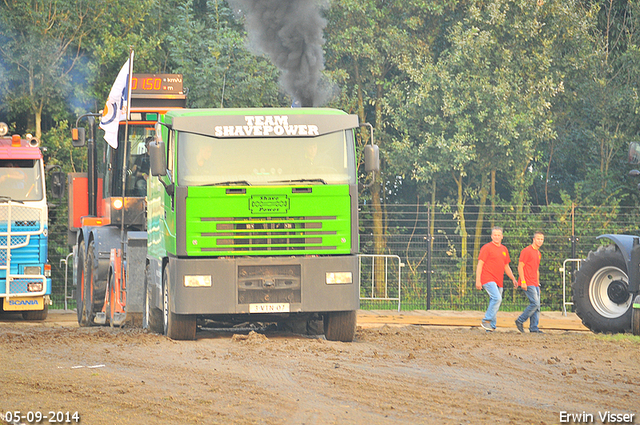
34,287
197,281
32,270
338,278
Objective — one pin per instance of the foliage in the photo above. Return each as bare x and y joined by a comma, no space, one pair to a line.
510,111
208,47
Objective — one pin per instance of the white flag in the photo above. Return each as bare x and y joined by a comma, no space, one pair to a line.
117,106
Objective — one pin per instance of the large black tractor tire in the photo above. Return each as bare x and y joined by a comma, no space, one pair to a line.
176,326
80,286
340,326
635,317
600,292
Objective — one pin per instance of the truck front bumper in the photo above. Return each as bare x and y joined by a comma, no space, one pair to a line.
264,285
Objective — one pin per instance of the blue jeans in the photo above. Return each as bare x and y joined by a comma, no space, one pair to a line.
532,311
495,299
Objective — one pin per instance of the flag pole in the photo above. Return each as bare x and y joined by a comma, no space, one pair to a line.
125,148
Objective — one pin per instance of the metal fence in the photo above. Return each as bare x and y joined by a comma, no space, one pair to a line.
439,245
437,250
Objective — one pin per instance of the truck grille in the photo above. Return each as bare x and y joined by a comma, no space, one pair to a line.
269,234
20,285
24,227
23,217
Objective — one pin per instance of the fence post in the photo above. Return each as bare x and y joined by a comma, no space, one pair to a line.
429,250
574,243
574,238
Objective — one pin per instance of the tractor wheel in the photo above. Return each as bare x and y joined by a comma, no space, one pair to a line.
176,326
340,326
91,270
80,286
600,292
94,291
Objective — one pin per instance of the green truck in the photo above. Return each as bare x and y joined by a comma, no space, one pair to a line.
252,216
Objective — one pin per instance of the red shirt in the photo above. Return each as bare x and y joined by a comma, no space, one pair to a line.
531,259
494,257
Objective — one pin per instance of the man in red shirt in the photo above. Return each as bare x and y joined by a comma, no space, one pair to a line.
493,263
529,275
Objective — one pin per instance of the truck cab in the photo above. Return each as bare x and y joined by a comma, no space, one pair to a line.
25,273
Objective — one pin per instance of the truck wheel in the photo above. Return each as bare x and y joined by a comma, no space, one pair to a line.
36,315
340,326
80,286
635,317
176,326
600,292
153,314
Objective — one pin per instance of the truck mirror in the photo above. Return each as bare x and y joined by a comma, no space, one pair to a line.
77,137
57,184
157,159
371,158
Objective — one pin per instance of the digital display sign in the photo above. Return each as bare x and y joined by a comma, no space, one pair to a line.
156,84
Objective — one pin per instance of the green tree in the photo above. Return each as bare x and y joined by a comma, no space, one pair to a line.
141,25
602,117
366,40
207,46
51,50
482,110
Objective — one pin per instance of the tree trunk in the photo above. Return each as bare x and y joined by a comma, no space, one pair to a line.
493,197
462,281
38,116
480,222
520,191
379,240
546,181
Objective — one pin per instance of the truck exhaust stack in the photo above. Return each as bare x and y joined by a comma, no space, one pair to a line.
290,33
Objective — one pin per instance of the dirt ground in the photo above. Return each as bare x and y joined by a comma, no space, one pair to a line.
391,374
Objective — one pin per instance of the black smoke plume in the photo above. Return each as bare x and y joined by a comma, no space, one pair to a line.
290,33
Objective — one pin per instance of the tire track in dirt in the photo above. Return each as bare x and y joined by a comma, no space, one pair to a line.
388,375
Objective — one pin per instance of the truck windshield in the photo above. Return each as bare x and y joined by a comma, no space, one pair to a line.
137,162
326,159
21,179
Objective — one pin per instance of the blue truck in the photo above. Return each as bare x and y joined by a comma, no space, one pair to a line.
25,273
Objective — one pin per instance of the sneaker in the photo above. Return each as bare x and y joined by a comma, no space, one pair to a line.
486,325
537,331
519,326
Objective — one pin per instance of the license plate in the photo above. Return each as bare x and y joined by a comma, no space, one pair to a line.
269,308
23,303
